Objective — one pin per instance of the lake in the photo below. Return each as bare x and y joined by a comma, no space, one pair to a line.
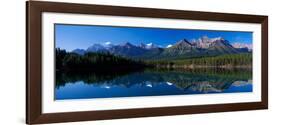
151,82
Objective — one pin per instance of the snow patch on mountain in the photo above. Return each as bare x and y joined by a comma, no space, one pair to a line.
168,46
107,43
148,46
242,45
205,42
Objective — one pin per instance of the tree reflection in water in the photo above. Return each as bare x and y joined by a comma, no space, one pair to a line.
201,80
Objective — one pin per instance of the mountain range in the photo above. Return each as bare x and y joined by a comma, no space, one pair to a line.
203,46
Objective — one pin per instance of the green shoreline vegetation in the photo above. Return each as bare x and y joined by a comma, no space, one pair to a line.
243,60
95,62
106,61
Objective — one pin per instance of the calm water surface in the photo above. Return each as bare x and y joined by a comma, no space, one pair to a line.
151,83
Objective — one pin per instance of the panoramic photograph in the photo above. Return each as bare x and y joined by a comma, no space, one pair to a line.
94,61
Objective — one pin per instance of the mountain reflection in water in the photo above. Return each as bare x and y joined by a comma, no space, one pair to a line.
151,82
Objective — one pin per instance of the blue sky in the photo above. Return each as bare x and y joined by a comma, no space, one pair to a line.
70,37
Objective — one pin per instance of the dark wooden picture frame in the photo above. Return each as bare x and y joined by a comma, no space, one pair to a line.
34,12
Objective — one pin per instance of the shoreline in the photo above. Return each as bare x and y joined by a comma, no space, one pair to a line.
204,66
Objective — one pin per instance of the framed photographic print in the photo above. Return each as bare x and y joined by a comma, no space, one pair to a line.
93,62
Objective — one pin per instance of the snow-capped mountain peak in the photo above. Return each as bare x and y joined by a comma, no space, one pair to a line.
240,45
96,47
107,43
148,46
151,45
168,46
205,42
216,39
